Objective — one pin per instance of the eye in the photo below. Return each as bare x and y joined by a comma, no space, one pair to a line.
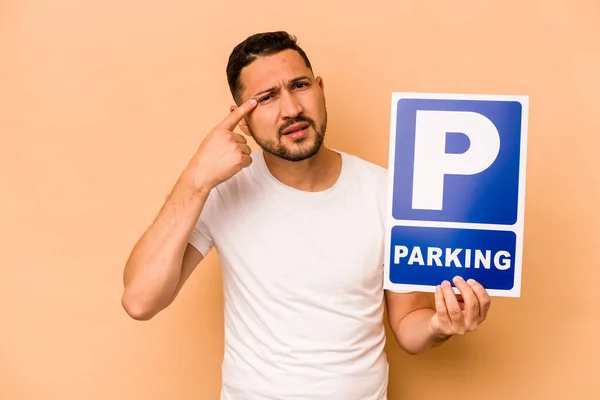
301,85
265,98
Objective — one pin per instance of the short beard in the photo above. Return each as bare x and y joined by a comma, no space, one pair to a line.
279,150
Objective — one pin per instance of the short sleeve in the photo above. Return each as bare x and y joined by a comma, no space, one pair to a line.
201,237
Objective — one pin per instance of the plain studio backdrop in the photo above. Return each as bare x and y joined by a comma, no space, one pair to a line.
103,103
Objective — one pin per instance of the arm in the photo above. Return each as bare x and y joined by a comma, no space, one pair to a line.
409,315
162,260
418,323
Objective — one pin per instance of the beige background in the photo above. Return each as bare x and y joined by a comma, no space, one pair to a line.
103,103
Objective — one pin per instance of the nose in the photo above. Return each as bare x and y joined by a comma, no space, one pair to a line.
290,106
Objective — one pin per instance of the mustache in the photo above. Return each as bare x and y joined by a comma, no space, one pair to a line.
292,121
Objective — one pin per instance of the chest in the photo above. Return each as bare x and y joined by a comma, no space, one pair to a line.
334,246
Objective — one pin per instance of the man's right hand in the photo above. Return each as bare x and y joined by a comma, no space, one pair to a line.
222,154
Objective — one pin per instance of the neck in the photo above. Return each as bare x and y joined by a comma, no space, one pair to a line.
318,173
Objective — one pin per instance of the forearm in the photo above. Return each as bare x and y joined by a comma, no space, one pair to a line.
153,269
414,334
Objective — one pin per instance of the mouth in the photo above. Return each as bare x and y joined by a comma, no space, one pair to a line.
296,128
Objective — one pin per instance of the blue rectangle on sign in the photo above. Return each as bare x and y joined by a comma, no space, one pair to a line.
428,256
457,160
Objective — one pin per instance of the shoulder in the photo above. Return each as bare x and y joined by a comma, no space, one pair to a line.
369,180
366,171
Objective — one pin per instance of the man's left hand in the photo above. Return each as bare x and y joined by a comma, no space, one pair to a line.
456,317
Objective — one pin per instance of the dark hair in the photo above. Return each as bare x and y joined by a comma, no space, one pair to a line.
257,45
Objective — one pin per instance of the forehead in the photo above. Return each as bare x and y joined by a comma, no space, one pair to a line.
270,71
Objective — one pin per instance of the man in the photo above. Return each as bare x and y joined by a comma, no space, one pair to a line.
300,233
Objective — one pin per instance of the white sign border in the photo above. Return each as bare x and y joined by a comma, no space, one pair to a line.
518,227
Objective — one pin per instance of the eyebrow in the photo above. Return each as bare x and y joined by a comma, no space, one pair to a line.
291,82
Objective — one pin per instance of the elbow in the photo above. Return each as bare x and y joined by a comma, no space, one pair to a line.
410,347
411,351
137,309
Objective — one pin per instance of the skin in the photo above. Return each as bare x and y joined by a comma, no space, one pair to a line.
278,92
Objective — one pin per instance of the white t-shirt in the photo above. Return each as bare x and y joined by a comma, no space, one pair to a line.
303,284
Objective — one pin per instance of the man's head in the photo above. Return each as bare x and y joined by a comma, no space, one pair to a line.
290,118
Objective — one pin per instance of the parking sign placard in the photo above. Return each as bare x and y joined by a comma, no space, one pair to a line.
456,191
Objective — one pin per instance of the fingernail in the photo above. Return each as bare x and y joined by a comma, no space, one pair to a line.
458,278
471,282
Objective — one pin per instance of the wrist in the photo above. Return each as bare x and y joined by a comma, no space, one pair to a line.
186,188
197,185
437,334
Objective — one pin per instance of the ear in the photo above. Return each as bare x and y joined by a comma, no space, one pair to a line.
321,85
320,82
242,124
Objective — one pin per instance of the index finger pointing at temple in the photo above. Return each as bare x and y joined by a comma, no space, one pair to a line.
231,121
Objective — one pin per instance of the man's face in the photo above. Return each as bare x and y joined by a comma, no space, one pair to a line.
290,118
